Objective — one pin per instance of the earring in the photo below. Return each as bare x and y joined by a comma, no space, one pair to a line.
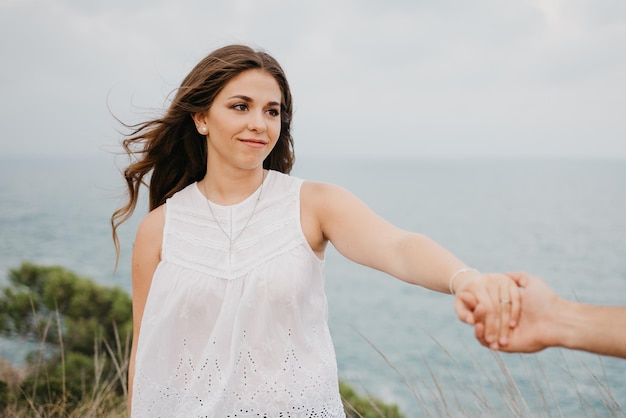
203,129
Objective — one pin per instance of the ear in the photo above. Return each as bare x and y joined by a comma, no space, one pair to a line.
200,120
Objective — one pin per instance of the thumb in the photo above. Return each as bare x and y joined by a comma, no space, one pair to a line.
520,278
464,305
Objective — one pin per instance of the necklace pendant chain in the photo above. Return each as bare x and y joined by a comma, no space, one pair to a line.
231,240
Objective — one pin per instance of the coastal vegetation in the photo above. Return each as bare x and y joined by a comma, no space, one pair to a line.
81,332
74,338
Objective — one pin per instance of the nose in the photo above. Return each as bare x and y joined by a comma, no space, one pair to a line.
257,122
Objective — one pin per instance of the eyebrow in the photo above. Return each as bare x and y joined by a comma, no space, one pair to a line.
249,99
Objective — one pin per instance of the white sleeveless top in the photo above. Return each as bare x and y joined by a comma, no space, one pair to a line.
241,331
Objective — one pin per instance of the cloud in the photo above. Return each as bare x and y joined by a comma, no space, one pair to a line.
434,78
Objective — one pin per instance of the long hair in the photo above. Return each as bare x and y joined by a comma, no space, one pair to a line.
169,149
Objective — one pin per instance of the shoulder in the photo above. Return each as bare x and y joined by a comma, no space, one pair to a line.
151,227
186,196
325,194
281,180
329,202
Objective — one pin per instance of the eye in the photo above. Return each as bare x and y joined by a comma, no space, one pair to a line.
273,112
240,106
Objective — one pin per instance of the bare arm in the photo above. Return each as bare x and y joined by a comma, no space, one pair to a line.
550,321
597,329
335,215
363,237
146,257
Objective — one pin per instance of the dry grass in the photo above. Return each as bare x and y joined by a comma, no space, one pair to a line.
498,393
500,397
11,376
102,401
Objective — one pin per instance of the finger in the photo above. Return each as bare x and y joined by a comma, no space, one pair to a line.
516,305
469,302
480,313
492,317
479,325
468,299
479,333
505,309
520,278
464,305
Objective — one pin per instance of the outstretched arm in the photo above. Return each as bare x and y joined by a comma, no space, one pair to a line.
330,213
550,321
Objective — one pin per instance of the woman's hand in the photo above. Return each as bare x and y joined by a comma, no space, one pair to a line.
537,328
490,302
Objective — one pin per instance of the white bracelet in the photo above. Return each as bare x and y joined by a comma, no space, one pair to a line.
456,273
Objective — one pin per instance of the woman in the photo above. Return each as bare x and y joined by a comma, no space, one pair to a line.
230,315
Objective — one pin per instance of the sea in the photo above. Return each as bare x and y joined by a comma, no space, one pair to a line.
561,219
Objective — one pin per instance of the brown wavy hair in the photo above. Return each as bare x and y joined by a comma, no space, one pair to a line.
169,149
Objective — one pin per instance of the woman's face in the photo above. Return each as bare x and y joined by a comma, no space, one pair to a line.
243,123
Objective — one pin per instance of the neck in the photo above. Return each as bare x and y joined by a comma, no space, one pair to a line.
226,188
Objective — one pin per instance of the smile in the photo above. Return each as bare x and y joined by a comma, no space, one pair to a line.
254,143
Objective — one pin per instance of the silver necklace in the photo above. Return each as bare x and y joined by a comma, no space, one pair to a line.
231,240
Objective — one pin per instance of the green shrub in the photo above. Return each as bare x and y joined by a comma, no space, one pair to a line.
365,407
80,323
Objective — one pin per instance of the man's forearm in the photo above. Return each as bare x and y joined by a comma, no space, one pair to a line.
598,329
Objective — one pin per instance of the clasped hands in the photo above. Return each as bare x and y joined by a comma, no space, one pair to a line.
491,303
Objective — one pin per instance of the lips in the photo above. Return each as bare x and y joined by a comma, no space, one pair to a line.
253,142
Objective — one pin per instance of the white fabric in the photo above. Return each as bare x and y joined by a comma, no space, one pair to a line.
241,334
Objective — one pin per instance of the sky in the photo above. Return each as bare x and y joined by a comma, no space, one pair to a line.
414,78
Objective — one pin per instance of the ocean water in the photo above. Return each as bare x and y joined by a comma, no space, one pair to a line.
564,220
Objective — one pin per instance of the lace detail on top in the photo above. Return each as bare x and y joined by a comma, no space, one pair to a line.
242,334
